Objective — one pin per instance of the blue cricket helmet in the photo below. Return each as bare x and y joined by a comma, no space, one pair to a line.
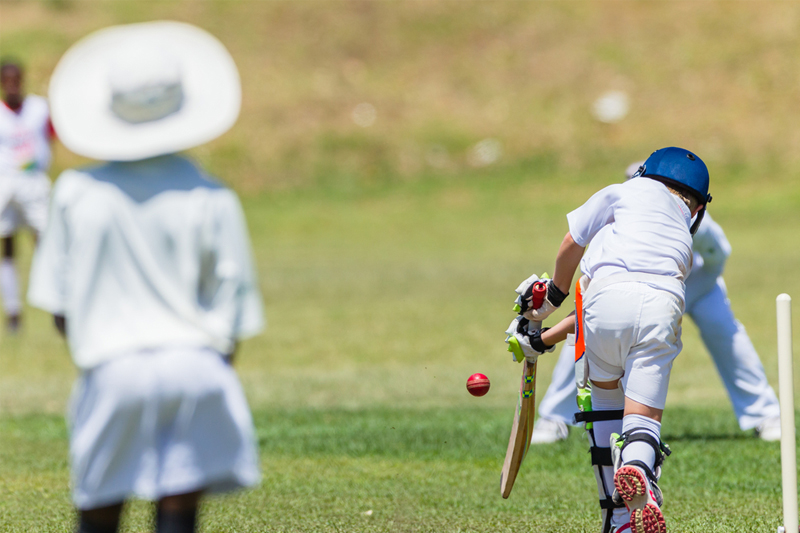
681,168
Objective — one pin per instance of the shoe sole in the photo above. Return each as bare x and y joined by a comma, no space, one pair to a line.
648,520
645,517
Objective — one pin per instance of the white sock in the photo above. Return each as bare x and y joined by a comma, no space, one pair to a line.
9,286
609,400
640,450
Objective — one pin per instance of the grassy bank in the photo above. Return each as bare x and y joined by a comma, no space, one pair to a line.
441,76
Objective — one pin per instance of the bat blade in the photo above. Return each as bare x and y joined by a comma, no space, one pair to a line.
520,439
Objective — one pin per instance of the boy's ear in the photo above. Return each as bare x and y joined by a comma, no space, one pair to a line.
696,210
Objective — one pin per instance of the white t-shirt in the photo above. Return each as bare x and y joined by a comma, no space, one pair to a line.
146,254
710,248
648,233
25,137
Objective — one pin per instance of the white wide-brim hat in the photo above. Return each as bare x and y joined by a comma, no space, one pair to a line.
132,92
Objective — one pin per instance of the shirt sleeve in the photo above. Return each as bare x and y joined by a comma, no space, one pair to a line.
48,288
598,211
711,244
231,283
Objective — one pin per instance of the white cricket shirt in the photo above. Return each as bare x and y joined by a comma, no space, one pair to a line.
648,231
146,254
25,136
711,250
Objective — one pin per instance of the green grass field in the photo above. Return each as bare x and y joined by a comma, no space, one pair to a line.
388,274
422,470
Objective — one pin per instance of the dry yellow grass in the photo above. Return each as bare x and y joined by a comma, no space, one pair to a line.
718,77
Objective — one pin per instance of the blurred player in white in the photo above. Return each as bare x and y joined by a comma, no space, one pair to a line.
146,266
25,136
754,401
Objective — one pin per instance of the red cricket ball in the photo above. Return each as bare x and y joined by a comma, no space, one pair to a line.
478,384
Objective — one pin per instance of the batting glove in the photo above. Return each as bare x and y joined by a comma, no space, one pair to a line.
525,342
525,294
552,301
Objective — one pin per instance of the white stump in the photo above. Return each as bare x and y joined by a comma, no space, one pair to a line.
788,438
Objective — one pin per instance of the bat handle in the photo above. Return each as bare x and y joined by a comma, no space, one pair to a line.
539,292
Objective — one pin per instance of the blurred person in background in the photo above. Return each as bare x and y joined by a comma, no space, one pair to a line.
753,399
25,137
146,267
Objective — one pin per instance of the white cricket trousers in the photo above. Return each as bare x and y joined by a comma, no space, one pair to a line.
157,423
735,357
632,331
24,202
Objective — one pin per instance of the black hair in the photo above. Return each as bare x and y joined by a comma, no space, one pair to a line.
10,62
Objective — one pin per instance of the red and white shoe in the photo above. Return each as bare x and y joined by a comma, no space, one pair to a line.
642,500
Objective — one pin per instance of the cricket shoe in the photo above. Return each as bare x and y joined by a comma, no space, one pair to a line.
546,431
625,528
769,429
643,499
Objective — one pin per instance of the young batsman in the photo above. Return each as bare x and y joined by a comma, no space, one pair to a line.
145,264
25,136
632,293
754,402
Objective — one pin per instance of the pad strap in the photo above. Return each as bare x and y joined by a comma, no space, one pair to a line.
641,464
601,456
608,503
599,416
660,448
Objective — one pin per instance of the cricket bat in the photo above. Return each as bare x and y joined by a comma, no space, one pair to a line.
522,427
